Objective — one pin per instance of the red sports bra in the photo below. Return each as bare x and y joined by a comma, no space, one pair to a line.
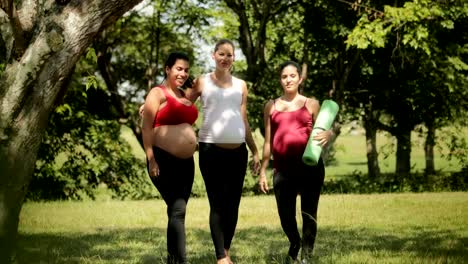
174,112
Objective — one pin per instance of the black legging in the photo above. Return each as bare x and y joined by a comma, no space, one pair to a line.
306,181
223,171
174,182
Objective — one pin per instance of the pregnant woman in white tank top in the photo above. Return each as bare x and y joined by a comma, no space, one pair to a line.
222,145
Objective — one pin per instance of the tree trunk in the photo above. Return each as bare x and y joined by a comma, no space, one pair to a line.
29,89
429,148
373,169
403,154
371,123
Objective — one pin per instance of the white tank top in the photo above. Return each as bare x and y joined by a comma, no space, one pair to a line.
222,118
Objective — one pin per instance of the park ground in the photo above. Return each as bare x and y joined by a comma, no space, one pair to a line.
371,228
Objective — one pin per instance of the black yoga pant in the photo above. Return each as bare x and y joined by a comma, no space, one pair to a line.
174,182
223,171
306,181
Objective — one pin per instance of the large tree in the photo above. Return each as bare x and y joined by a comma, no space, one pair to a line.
423,44
42,40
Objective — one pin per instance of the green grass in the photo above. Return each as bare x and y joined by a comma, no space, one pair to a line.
378,228
351,154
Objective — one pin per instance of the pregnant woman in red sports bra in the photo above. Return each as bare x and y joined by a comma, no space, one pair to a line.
169,142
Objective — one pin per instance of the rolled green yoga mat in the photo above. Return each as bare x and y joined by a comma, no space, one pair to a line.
324,120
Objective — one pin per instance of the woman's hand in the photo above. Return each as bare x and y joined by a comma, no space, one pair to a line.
256,164
153,168
141,110
324,137
263,182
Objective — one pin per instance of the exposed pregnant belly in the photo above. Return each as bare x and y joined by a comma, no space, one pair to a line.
179,140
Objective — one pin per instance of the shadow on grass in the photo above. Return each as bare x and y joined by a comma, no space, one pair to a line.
421,242
251,245
106,245
357,163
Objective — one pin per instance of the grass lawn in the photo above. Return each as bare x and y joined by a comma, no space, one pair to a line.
377,228
351,155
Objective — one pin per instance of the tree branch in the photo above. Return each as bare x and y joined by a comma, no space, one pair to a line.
355,5
6,5
245,37
18,33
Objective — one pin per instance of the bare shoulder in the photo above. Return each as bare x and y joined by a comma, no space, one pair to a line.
155,93
154,98
268,106
242,83
198,83
312,101
313,105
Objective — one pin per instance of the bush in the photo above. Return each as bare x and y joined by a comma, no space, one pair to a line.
415,182
84,161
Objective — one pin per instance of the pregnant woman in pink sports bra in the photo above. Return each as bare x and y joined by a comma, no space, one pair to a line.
288,123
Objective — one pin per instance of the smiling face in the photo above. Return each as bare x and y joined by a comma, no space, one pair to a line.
224,56
178,73
290,79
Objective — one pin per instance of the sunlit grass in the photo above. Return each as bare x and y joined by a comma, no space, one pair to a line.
378,228
351,154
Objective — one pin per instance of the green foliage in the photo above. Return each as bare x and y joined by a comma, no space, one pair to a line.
92,156
255,111
365,33
86,165
415,182
91,56
82,153
227,29
456,143
3,57
2,68
91,82
413,20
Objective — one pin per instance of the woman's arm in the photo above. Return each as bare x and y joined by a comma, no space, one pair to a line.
195,91
324,137
248,133
262,181
151,106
